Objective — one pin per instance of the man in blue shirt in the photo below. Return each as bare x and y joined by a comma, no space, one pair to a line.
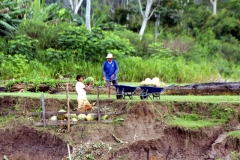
110,70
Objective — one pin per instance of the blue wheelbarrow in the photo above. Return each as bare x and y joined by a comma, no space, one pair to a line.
151,92
125,90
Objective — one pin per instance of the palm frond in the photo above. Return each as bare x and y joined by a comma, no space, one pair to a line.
6,26
5,16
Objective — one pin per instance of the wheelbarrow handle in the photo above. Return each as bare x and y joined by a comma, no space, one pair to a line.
167,87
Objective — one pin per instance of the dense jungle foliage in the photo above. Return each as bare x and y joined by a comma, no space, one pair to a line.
183,41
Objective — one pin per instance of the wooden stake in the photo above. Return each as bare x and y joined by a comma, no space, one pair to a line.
68,108
43,112
99,115
69,152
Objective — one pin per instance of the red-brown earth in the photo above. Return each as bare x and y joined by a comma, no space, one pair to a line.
140,133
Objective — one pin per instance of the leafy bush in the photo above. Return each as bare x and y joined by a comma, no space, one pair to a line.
195,17
231,51
223,25
23,45
3,45
46,34
53,56
133,39
92,46
72,38
220,113
17,66
158,51
13,66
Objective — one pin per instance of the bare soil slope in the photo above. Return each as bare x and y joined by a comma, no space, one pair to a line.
140,134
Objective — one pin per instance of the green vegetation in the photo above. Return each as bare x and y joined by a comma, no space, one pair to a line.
235,155
190,121
35,82
168,98
190,45
5,120
118,120
234,134
192,124
216,114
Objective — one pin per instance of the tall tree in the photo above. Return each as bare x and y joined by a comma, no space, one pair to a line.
88,13
214,3
75,5
146,15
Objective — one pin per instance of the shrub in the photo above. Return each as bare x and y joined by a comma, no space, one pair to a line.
45,33
23,45
13,66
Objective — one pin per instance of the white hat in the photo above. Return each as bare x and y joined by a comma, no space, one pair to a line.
109,55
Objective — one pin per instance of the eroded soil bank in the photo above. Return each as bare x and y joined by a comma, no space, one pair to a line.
140,134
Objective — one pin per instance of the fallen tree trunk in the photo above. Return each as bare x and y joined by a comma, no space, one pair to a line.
228,88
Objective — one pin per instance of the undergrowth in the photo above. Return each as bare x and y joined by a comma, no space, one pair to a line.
35,82
234,134
190,121
221,113
215,115
6,120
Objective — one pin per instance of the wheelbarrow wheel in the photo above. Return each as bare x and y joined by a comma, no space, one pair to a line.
119,96
143,96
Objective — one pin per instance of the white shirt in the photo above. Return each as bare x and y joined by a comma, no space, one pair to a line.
81,92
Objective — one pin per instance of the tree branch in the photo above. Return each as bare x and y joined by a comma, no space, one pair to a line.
71,4
161,31
151,13
140,5
78,6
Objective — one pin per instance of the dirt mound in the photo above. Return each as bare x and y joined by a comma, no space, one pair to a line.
143,135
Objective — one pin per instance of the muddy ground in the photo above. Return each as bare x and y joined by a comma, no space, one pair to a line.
140,133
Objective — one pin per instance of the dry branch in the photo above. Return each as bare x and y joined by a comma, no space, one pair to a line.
5,10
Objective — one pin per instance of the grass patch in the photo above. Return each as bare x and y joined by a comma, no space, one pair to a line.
235,155
205,99
223,114
234,134
187,98
118,120
190,121
6,120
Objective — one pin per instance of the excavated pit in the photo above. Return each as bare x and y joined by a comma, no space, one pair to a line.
21,141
